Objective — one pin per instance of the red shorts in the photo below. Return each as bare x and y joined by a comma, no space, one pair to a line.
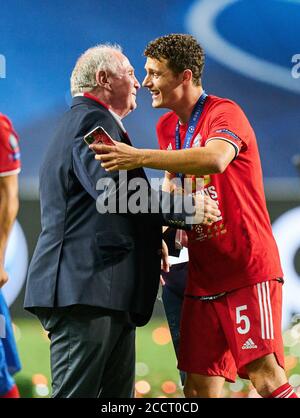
219,337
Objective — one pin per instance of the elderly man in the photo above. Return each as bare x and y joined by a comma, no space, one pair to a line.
94,276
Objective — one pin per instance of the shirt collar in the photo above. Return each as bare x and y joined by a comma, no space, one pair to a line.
117,118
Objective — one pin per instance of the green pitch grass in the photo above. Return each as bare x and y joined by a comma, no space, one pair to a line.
156,363
156,372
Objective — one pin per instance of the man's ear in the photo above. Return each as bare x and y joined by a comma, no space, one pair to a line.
102,79
187,76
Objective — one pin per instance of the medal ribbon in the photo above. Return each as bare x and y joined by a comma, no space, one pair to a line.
192,124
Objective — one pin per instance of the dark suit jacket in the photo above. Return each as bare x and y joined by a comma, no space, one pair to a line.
83,257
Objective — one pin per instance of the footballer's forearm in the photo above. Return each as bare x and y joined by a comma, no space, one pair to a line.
211,159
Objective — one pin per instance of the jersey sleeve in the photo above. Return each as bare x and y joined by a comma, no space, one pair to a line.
10,162
229,123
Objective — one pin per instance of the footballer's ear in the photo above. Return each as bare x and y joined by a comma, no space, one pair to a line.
187,76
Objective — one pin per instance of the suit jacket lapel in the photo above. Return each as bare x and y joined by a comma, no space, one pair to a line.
124,135
139,172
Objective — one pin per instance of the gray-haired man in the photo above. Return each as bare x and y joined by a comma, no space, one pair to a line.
94,277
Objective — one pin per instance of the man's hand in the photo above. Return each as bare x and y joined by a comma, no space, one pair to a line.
165,266
207,211
165,257
3,276
118,157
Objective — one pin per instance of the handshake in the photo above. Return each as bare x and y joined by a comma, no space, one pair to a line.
206,213
207,210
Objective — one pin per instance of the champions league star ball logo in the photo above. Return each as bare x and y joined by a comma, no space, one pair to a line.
198,229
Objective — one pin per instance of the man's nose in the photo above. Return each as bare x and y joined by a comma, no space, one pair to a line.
146,82
136,83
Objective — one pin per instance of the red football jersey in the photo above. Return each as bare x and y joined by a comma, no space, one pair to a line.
9,148
239,249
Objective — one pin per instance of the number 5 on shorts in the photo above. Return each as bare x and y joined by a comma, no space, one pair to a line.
245,327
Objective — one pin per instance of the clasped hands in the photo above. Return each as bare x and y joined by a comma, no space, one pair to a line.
121,156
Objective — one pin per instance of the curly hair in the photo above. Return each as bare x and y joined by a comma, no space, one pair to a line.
182,52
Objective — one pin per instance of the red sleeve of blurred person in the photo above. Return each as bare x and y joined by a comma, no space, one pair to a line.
9,148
